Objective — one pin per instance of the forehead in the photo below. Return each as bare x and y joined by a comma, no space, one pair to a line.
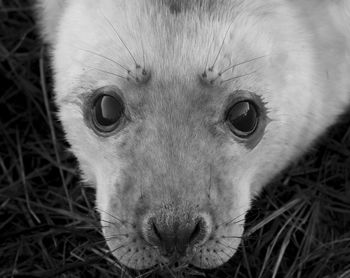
107,41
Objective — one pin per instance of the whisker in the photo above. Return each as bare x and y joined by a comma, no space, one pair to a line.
143,55
239,221
93,227
107,58
238,76
103,254
228,255
125,272
227,245
107,221
128,263
110,252
240,237
222,45
245,62
231,221
102,241
116,236
146,274
115,217
220,258
126,252
108,72
116,32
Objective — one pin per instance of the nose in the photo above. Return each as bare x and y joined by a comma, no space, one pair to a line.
175,236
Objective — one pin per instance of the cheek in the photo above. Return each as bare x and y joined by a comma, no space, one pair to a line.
118,189
106,178
231,188
100,165
241,195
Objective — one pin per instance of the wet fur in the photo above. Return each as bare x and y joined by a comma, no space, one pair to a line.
176,154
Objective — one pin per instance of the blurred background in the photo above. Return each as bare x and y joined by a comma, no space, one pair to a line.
298,227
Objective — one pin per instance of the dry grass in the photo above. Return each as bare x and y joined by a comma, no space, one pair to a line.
299,227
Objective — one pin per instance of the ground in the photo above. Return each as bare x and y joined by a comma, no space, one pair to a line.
298,227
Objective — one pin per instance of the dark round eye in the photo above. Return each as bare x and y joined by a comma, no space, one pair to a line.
243,118
107,112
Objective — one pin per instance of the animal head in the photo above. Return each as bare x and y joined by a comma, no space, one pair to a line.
179,112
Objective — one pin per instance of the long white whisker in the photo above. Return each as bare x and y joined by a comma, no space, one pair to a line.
222,45
245,62
107,58
116,32
238,76
108,72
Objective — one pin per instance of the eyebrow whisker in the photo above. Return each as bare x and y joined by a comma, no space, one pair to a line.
222,45
237,76
241,63
111,73
116,32
107,58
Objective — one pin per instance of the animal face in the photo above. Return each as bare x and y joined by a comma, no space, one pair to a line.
180,113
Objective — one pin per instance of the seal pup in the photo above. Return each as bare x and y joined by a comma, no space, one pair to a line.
179,112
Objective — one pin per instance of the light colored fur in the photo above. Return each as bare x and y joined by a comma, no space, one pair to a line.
169,153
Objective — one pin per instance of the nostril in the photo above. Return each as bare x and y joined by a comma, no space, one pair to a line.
156,231
196,233
200,231
151,232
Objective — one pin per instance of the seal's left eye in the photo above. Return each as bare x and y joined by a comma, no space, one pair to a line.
107,112
242,118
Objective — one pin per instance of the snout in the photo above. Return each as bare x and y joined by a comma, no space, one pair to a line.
173,235
176,234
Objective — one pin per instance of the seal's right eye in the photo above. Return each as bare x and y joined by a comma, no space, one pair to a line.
106,111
